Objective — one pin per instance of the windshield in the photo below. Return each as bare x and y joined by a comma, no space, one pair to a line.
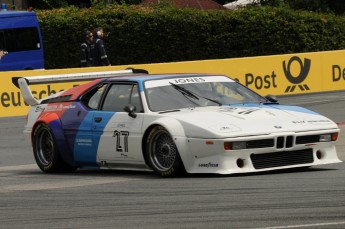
178,93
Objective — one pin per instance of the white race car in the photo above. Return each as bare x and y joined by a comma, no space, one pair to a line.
171,124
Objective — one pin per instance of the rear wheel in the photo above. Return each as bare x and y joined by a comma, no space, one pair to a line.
46,153
162,153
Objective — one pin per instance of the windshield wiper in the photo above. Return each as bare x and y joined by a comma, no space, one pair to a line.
212,100
184,91
270,99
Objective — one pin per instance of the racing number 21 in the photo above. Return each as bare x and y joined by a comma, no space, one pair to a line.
119,135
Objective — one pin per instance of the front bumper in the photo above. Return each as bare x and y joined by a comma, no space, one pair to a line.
287,151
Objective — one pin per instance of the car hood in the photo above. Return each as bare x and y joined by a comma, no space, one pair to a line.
245,120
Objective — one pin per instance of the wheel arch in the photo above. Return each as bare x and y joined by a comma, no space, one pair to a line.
44,119
175,129
52,120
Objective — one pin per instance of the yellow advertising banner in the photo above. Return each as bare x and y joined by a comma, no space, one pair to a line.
276,75
11,100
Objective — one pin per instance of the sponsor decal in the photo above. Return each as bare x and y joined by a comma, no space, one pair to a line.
189,80
84,142
14,98
59,107
319,121
297,80
298,122
238,110
208,165
261,82
121,125
226,128
39,109
228,109
337,73
270,113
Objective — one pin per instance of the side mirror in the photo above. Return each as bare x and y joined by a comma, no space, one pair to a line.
271,98
130,109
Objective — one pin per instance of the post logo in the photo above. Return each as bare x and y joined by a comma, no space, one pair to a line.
297,80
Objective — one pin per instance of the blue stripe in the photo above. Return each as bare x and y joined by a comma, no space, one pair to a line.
292,108
279,107
88,137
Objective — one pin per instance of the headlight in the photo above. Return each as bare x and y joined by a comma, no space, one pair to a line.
328,137
235,145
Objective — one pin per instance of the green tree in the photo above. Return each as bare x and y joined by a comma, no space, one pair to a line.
335,6
47,4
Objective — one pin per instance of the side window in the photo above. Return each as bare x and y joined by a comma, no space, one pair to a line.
22,39
121,95
93,98
2,41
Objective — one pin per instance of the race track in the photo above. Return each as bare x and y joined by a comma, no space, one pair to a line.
310,198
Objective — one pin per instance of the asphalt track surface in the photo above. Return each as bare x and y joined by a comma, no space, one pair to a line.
310,198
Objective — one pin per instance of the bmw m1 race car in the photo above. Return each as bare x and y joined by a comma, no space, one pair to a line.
171,124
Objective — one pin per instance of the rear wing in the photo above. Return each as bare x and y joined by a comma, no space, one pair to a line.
23,82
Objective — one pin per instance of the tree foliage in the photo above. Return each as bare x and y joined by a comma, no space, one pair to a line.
336,6
138,35
47,4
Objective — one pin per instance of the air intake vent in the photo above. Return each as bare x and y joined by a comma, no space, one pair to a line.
260,143
307,139
279,159
289,141
280,142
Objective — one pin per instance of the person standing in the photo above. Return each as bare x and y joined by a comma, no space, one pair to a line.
86,58
100,57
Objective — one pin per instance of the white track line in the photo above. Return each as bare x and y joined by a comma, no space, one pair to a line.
305,225
62,184
18,167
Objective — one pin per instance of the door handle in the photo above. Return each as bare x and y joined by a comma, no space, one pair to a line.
98,119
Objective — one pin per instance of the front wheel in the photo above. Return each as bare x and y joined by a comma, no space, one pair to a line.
162,153
46,153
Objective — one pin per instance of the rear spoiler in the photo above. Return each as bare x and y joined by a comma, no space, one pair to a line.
24,82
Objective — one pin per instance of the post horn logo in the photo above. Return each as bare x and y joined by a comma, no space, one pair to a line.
297,80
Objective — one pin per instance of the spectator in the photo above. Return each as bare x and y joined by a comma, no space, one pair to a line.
86,59
2,53
100,57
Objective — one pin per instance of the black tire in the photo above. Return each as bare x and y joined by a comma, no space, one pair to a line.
162,154
46,154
